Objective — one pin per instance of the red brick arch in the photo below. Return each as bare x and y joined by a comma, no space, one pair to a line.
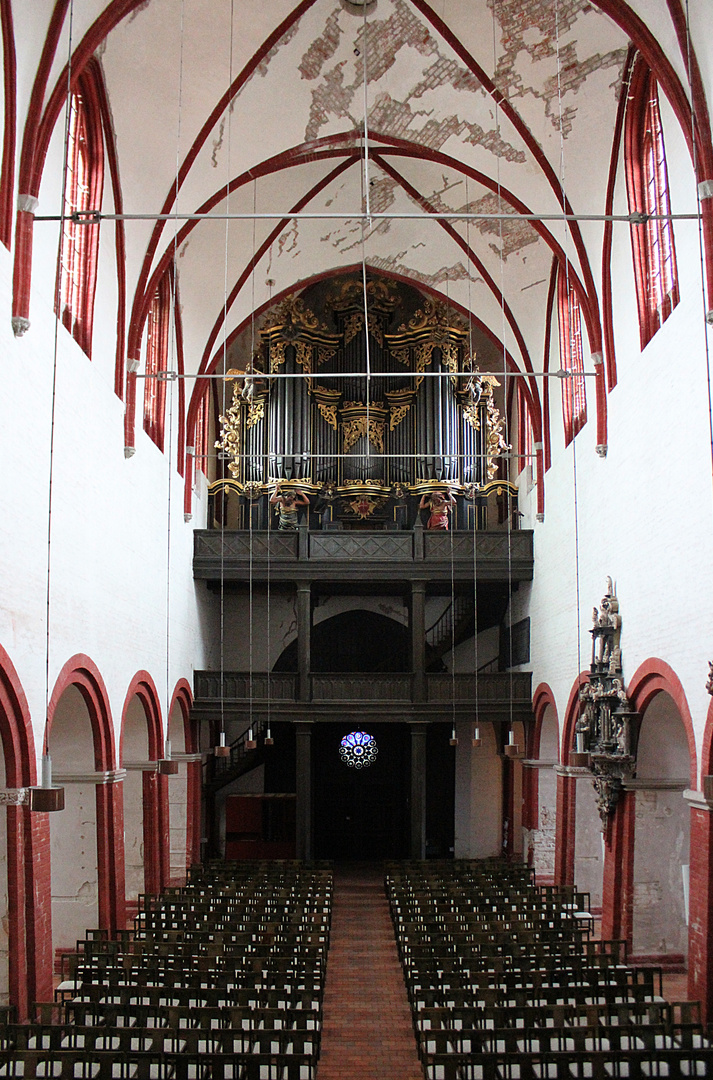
155,786
28,863
183,696
81,671
654,677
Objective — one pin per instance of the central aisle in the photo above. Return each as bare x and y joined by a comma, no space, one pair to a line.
367,1032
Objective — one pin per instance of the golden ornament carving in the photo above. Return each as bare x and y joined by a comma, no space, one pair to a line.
293,313
324,354
401,356
303,356
357,429
364,505
277,354
256,412
229,441
329,412
495,440
470,415
352,325
397,414
380,294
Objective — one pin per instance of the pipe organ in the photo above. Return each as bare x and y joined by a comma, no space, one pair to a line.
366,423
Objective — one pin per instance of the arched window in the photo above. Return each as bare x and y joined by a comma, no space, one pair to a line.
157,338
647,190
525,440
574,397
201,436
82,193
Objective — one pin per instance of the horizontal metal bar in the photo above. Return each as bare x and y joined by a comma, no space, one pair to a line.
307,455
562,373
91,217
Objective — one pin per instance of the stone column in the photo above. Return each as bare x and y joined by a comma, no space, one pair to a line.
304,636
303,809
418,639
418,791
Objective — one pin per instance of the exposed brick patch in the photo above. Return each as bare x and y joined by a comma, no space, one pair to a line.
400,121
446,72
393,264
339,92
331,98
511,236
322,49
518,19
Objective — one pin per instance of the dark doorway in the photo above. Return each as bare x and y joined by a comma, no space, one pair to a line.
361,814
354,641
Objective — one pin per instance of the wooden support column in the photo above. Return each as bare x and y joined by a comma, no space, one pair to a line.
304,637
303,810
418,639
418,791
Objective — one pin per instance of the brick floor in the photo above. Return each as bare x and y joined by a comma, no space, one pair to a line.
367,1032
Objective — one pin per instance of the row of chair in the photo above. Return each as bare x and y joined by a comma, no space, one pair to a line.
505,981
223,977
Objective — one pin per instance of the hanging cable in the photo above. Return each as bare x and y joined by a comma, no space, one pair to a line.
474,482
268,732
570,387
222,750
701,242
46,763
250,744
506,415
172,351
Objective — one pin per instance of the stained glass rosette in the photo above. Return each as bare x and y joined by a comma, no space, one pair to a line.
358,749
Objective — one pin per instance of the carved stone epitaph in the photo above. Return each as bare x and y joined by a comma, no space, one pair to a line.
605,728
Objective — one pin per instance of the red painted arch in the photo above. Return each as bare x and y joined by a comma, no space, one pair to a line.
607,305
654,677
707,748
7,170
183,697
143,687
570,717
154,787
82,672
29,915
541,700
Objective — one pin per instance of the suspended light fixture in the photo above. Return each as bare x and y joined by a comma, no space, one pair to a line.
46,798
251,741
221,750
167,765
476,736
511,747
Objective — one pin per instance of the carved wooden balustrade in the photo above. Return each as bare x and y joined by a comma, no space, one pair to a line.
385,556
498,696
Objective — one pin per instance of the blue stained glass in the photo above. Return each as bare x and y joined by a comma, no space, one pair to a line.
358,749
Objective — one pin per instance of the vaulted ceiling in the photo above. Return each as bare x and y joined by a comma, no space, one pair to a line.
333,108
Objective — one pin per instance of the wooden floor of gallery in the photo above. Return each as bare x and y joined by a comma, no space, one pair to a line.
367,1032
